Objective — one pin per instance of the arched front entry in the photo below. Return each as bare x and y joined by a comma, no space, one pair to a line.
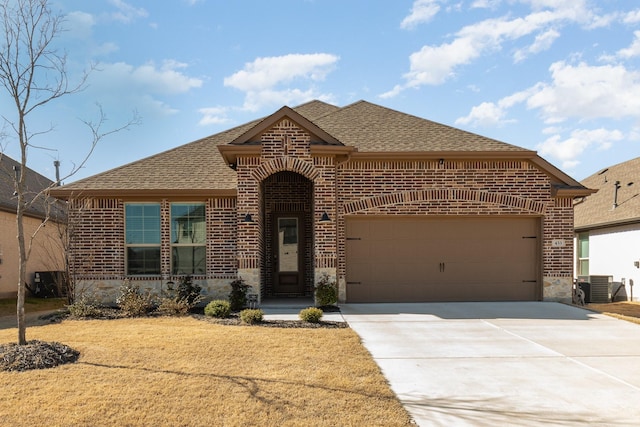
287,235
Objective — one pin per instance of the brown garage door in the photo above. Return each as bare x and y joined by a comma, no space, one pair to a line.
442,259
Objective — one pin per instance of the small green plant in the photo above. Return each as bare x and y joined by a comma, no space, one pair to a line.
251,316
85,307
218,308
132,301
326,292
238,295
311,314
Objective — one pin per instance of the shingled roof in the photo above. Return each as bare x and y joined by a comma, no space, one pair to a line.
34,184
199,168
603,208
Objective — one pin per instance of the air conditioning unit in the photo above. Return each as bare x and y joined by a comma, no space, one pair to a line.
597,289
47,284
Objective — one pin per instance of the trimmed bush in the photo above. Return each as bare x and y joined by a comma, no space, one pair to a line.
311,314
238,295
218,308
326,292
251,316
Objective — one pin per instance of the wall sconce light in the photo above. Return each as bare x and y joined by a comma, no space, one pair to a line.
441,162
247,218
325,217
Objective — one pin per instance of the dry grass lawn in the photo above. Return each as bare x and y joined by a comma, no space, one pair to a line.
31,305
186,372
625,310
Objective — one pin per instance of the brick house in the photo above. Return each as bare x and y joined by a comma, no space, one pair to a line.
394,207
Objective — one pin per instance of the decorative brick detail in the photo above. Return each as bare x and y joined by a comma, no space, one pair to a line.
303,167
447,195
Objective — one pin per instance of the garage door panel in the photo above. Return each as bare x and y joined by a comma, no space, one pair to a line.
443,259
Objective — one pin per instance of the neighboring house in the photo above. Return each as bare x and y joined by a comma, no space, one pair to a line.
607,226
47,253
394,207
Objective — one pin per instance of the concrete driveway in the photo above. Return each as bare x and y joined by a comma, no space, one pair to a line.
498,364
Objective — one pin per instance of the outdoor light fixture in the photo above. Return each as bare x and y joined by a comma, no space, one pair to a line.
325,217
247,218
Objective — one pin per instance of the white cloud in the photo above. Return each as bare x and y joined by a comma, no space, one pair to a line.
433,65
127,13
633,50
141,86
542,42
79,24
262,79
568,150
581,92
485,114
422,11
632,17
214,116
494,114
588,92
485,4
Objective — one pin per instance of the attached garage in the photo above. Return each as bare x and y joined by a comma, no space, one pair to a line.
409,259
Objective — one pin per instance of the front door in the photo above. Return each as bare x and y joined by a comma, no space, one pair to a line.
288,255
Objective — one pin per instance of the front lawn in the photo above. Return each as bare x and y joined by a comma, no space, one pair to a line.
31,305
187,372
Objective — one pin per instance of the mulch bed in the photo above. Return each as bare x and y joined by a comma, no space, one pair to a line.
35,355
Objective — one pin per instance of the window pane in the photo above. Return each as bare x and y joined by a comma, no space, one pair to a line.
142,223
142,260
189,260
583,267
188,223
583,245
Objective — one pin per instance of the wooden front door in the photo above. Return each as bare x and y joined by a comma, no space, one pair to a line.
288,253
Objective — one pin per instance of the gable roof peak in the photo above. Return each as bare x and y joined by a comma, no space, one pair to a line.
318,135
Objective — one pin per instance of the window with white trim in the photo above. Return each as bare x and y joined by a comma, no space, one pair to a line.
142,238
188,238
583,254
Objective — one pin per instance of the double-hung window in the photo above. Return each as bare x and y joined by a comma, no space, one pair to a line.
188,238
583,254
142,229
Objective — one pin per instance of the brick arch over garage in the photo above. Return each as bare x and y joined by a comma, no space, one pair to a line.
447,194
282,164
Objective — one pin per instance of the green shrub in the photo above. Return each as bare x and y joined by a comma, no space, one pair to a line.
181,299
326,292
218,308
251,316
85,307
189,291
132,301
238,295
311,314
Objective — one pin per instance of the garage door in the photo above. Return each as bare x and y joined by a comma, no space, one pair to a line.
460,259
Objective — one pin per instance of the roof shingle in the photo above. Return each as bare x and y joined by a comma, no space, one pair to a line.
366,126
598,209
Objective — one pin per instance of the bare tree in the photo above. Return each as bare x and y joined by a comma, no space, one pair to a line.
33,72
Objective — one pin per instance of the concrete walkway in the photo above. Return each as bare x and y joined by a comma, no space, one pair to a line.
495,364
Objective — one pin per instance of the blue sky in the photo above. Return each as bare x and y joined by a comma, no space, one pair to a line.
560,77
